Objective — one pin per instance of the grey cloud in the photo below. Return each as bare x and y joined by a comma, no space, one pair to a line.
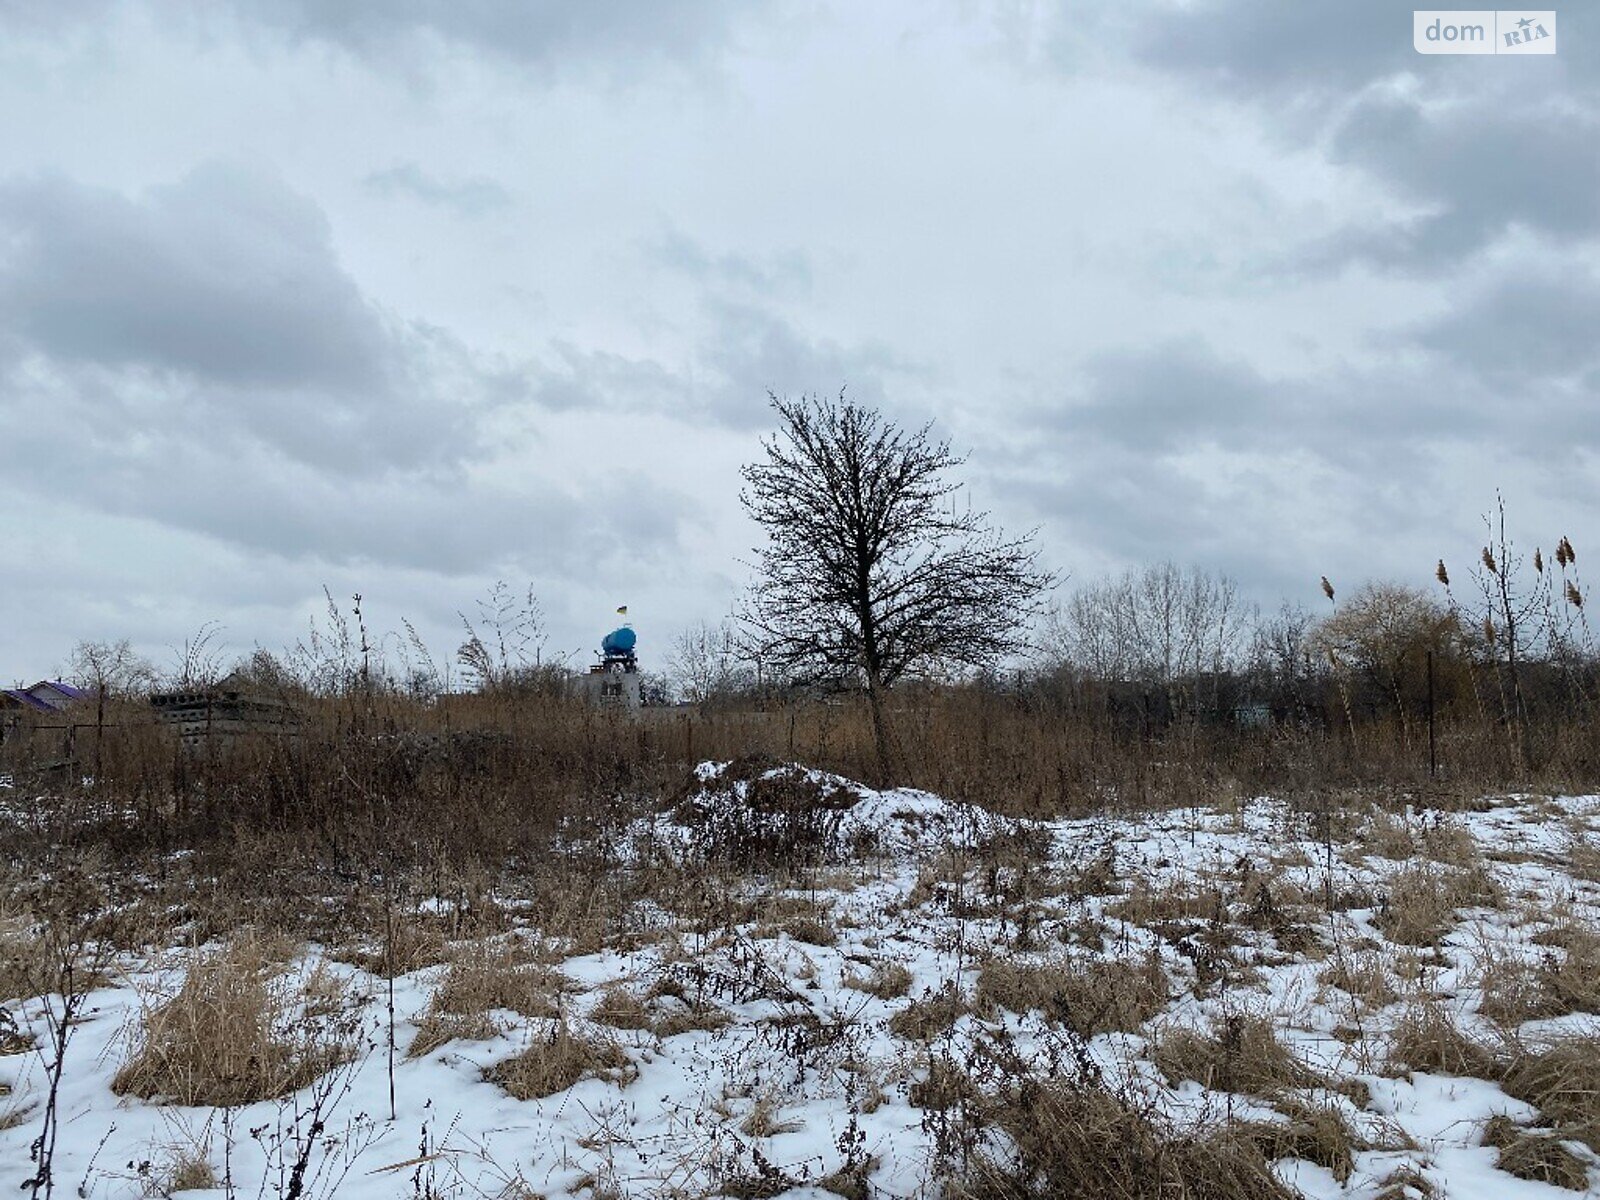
226,275
588,379
1484,166
219,301
551,35
1480,146
1251,46
753,351
1166,398
745,352
787,273
245,494
467,197
1526,329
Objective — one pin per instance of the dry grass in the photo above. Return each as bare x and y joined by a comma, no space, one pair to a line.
435,1029
1242,1055
1089,996
233,1034
802,919
24,967
887,981
1317,1133
1562,1080
488,975
762,1121
1362,975
621,1009
1423,898
181,1169
413,947
1405,1183
930,1017
1081,1141
1166,906
1536,1156
555,1062
1425,1038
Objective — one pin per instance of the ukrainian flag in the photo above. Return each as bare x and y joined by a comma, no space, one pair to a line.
623,611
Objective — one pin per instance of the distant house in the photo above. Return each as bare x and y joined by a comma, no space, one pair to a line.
46,696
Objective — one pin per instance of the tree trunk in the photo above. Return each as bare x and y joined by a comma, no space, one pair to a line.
880,730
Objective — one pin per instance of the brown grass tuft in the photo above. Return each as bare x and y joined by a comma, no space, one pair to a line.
1539,1157
1243,1054
1080,1141
1423,899
555,1062
1561,1080
1426,1038
888,981
489,975
1088,996
225,1038
930,1017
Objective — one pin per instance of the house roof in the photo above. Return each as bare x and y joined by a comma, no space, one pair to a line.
48,695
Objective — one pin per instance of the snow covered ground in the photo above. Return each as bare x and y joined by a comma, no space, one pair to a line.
790,1046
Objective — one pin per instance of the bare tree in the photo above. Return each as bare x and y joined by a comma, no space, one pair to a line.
708,664
110,670
1163,627
871,570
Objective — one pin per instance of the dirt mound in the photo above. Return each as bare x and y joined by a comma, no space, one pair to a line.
759,811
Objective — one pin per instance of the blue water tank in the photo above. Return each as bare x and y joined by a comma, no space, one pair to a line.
619,641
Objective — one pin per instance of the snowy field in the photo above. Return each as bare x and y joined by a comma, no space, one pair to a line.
1358,995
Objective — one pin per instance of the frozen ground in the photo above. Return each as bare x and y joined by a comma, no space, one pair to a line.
782,1072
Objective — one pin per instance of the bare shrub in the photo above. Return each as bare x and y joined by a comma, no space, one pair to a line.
1088,996
233,1034
555,1062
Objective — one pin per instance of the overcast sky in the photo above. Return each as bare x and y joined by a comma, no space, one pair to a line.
407,296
